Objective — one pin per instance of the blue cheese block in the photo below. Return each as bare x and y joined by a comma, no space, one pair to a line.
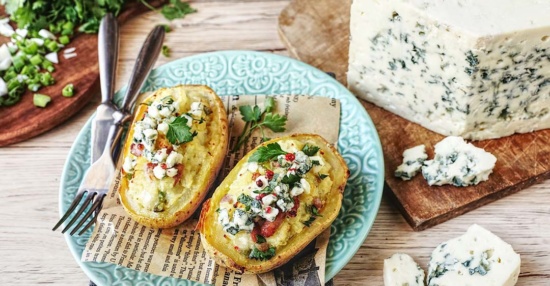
412,162
476,258
459,163
457,67
400,269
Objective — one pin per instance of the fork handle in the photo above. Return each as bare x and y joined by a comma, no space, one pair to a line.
108,54
144,62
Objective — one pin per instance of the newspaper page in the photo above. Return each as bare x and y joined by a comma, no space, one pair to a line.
177,252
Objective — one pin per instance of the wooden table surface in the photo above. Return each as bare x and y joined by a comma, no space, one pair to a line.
30,172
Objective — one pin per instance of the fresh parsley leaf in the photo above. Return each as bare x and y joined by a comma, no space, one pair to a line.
179,132
310,150
260,239
266,190
176,9
314,211
322,176
246,200
255,118
167,28
274,122
269,104
165,51
262,255
309,221
290,179
266,153
249,113
314,214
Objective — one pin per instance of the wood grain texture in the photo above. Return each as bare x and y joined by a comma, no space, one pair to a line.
29,185
24,120
314,34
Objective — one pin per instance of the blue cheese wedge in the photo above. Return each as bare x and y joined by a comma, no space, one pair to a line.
400,269
476,258
412,162
457,67
458,163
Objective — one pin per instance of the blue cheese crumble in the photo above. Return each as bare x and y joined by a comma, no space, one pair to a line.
413,159
400,269
458,163
478,257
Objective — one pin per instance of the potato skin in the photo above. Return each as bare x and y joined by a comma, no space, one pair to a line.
224,255
217,148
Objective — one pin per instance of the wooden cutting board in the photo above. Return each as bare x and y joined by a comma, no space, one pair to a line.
317,32
24,120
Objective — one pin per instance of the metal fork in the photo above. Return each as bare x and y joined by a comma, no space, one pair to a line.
95,184
98,178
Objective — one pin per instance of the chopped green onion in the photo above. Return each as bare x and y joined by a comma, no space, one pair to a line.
46,79
36,60
167,28
31,48
52,46
19,62
41,100
68,90
64,40
165,51
67,29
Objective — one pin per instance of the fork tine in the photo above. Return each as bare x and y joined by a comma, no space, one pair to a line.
80,211
95,205
94,219
73,205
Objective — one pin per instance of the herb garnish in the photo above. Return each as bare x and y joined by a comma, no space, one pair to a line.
310,150
262,255
179,132
255,118
266,153
314,212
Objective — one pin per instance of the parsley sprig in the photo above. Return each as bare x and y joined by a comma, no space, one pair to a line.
262,255
255,118
266,153
179,132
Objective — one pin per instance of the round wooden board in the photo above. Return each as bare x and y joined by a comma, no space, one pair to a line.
24,120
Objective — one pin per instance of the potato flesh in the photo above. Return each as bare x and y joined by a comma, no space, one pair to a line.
143,190
291,225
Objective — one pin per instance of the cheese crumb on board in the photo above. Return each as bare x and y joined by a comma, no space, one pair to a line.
457,67
458,163
412,162
478,257
400,269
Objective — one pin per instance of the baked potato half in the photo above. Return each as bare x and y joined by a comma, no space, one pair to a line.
277,199
174,149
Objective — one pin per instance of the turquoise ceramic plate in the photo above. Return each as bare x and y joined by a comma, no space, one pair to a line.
244,72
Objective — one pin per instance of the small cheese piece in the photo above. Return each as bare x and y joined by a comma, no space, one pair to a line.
412,162
476,258
459,163
457,67
400,269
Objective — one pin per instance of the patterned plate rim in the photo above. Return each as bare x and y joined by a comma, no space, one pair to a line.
333,266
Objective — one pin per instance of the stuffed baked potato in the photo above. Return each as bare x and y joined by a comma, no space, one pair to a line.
173,151
277,199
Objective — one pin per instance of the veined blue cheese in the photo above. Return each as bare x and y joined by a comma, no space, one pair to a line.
459,163
457,67
400,269
476,258
412,162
